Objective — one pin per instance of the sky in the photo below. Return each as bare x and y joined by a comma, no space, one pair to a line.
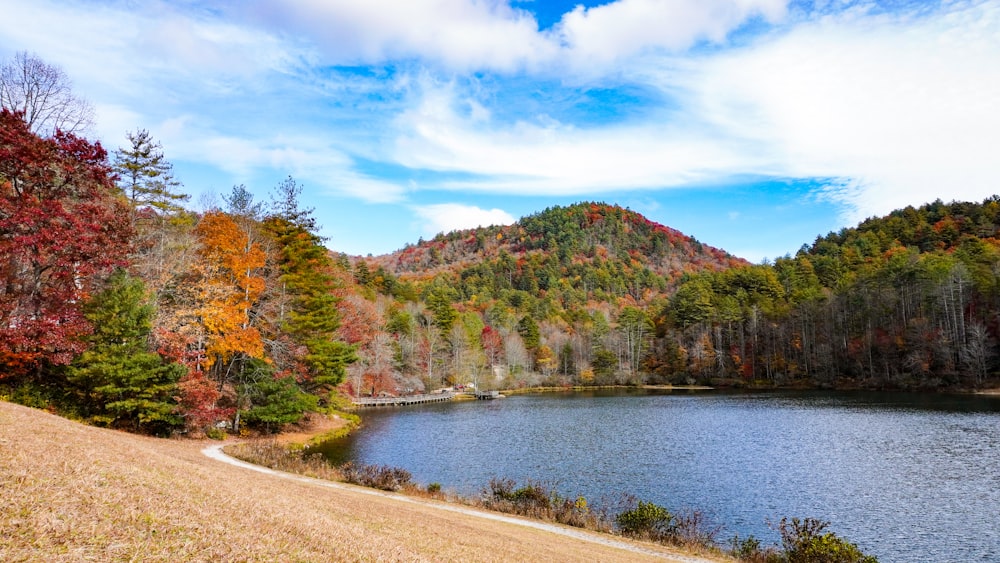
753,125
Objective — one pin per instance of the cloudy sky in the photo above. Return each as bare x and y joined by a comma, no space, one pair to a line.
753,125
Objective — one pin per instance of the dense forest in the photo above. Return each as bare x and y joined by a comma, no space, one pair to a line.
597,294
906,300
121,306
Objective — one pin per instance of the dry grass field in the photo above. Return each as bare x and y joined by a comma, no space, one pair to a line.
69,492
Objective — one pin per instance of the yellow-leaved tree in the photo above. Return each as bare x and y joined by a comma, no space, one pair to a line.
232,287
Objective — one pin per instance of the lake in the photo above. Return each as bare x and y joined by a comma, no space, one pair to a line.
908,477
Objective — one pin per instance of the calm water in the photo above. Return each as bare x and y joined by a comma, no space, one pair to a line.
908,477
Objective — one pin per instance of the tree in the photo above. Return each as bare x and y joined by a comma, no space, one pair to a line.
42,95
275,401
492,344
234,286
308,279
61,228
635,327
528,329
439,302
145,176
240,203
119,380
285,205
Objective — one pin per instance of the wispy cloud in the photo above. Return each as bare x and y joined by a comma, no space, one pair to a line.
606,34
888,109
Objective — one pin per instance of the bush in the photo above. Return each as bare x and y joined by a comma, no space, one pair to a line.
750,551
646,520
381,477
275,401
537,500
692,528
29,394
805,542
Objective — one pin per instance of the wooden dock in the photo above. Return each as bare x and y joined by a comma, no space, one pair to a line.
400,401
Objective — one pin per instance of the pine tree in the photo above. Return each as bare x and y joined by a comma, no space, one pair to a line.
145,176
306,268
275,401
118,380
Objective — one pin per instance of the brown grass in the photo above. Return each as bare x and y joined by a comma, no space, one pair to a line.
70,492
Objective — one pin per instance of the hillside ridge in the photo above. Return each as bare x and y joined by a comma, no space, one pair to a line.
581,231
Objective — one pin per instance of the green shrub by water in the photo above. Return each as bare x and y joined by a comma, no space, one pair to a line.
646,520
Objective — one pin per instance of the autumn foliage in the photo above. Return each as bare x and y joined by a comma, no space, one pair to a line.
62,227
232,287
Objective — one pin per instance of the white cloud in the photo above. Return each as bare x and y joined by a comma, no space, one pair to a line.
601,35
894,109
459,34
310,160
902,110
552,158
447,217
469,35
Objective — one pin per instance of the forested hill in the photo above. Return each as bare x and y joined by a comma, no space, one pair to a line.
595,248
957,227
909,299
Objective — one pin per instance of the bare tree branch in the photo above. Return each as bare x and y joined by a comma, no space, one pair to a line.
43,94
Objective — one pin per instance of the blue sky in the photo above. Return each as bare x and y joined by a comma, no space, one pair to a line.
752,125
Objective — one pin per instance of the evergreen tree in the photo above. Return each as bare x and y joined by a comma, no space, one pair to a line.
276,401
145,176
439,301
119,381
528,329
306,268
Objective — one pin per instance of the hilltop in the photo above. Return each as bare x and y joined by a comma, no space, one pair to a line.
571,243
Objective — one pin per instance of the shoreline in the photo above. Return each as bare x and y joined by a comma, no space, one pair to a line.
88,493
218,453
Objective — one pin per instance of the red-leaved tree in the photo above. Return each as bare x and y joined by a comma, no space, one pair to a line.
62,226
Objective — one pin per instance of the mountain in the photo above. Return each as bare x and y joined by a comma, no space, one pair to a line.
583,251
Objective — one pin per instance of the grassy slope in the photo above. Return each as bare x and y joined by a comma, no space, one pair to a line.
70,492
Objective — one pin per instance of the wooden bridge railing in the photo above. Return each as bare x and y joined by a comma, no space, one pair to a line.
408,400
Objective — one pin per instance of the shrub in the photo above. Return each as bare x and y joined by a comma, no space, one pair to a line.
434,488
804,541
382,477
749,550
647,520
692,528
29,394
538,500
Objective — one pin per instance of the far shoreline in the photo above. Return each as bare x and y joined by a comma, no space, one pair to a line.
320,427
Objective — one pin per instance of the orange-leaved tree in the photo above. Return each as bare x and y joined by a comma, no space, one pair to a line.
232,288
